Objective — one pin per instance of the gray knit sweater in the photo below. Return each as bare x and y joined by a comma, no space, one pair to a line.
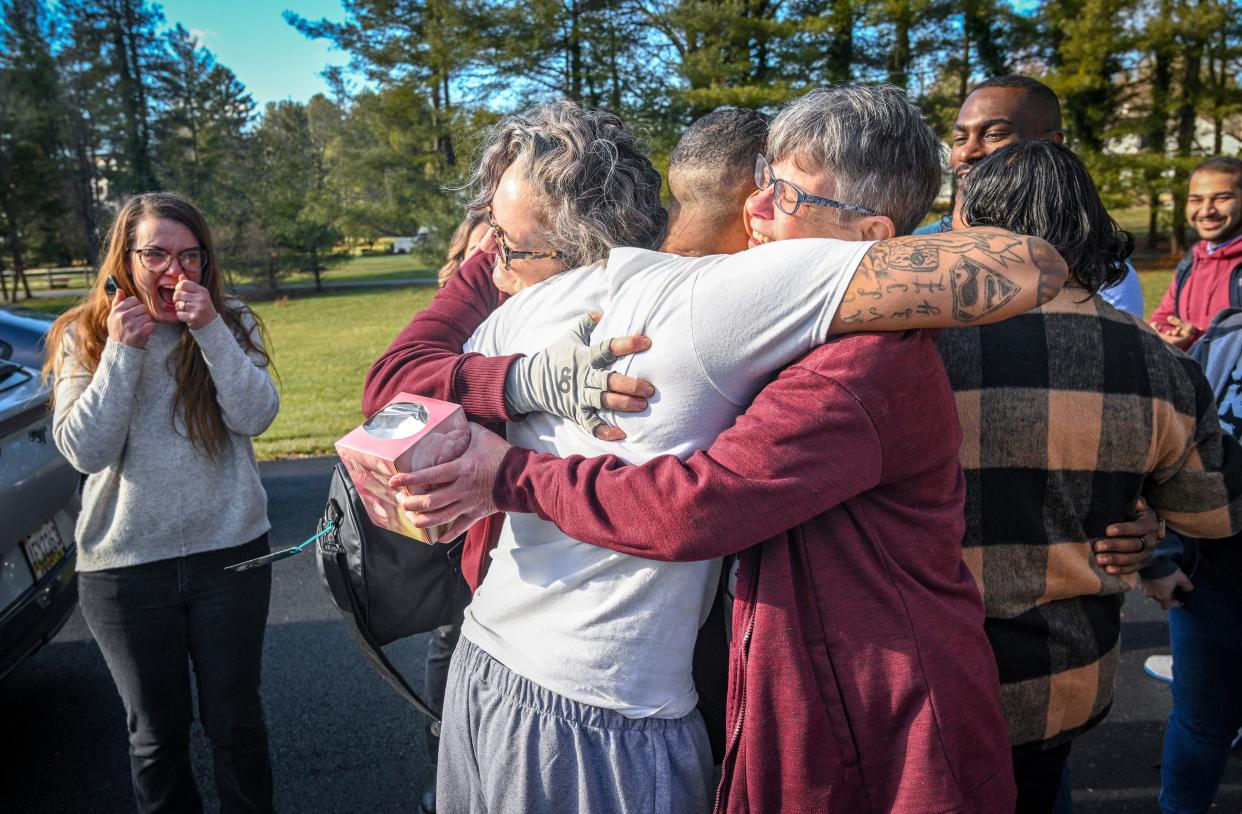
150,494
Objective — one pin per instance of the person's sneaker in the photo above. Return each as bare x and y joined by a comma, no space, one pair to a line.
1236,741
1159,667
427,800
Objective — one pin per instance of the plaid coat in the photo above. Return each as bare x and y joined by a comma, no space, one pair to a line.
1069,413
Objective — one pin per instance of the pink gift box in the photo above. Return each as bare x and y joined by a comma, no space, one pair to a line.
406,435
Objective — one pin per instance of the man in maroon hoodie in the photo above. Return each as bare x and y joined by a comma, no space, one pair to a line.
1209,278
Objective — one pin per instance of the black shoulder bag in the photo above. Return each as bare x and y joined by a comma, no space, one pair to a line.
387,586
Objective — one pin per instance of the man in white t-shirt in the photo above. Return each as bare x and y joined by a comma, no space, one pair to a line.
571,689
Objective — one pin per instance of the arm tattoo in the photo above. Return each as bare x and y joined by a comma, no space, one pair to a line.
914,258
924,255
978,291
1052,269
971,274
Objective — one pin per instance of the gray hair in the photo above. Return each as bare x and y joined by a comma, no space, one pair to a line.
873,145
594,186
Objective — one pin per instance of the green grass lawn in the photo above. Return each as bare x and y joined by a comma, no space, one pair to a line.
1155,283
48,305
370,267
323,347
358,267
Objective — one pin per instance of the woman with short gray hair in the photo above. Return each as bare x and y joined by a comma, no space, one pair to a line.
899,176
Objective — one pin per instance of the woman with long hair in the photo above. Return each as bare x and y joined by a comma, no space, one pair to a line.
158,391
463,245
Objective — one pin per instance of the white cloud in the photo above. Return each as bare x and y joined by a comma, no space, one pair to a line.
204,35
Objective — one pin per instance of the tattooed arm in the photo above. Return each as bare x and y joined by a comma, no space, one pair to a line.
965,277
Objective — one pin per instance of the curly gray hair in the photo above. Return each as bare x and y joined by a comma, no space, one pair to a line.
873,144
594,186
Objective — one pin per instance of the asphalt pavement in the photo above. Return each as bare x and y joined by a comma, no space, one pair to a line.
343,741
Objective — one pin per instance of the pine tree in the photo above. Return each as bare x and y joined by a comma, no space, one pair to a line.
82,112
121,40
204,111
1087,41
383,169
29,133
425,43
290,196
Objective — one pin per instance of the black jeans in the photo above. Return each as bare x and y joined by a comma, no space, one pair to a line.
440,649
151,621
1039,776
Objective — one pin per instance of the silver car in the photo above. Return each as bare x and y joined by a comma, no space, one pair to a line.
38,508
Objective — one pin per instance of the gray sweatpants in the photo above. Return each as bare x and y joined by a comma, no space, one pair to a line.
510,746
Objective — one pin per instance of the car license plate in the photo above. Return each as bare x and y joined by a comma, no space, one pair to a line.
44,549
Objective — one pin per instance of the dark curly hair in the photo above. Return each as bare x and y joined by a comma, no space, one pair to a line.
1042,189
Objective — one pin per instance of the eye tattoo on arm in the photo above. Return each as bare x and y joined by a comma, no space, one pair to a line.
968,275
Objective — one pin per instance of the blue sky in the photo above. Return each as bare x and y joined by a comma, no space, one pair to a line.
268,55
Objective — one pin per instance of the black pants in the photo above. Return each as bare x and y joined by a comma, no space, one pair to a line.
151,621
1038,777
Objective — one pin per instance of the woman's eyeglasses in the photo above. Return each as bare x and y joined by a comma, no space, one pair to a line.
157,260
788,198
508,254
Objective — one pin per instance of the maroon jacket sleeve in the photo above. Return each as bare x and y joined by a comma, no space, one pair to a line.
805,445
426,357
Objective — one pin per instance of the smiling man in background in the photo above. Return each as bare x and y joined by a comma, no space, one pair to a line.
1004,110
1209,278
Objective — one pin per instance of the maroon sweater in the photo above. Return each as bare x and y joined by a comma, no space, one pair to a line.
860,676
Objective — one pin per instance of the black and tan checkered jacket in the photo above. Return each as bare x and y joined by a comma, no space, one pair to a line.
1069,414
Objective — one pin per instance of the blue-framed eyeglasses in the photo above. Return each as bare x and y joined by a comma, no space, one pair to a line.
788,198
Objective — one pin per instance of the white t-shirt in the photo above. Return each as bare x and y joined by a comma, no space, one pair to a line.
590,624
